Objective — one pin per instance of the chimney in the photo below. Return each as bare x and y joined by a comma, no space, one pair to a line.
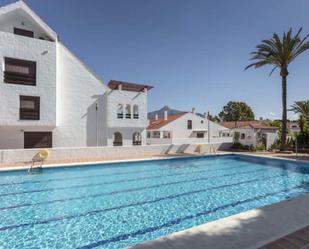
156,117
193,110
120,87
205,115
165,115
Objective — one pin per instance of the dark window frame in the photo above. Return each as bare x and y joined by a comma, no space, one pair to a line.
26,113
23,32
17,77
28,141
189,124
200,135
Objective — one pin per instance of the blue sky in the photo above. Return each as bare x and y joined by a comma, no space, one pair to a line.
193,52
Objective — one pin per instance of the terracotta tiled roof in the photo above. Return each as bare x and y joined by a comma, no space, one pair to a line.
255,124
157,124
126,86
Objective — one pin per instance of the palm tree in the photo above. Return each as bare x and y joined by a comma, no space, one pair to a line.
301,108
279,53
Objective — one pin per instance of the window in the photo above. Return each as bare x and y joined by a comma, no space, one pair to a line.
29,108
148,134
117,139
128,111
189,124
135,112
20,71
202,122
156,134
166,134
243,135
23,32
200,135
137,139
120,111
37,140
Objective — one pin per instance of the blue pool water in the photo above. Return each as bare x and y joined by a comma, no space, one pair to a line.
117,205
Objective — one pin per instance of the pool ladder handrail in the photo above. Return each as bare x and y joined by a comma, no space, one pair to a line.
31,168
212,149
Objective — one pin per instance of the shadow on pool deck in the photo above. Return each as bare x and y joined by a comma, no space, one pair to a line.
248,230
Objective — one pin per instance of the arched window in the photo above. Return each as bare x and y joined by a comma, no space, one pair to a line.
128,111
135,112
117,139
137,139
120,111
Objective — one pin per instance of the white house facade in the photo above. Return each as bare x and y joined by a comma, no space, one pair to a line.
185,128
253,133
49,98
126,113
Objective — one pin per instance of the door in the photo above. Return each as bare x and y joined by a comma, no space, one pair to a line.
37,140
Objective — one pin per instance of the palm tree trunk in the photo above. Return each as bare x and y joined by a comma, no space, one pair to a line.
284,113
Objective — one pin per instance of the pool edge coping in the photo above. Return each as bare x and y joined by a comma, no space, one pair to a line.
158,157
155,158
199,233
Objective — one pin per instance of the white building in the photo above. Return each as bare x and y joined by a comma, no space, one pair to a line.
49,98
127,113
253,133
185,128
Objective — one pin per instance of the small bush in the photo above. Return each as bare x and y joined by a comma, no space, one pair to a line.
260,147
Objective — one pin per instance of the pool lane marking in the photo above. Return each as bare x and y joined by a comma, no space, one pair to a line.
126,190
181,219
108,182
166,167
95,212
129,190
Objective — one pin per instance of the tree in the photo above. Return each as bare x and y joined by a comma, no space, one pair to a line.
279,53
236,111
215,118
302,109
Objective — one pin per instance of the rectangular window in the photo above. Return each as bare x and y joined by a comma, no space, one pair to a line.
29,108
37,140
23,32
19,71
200,135
189,124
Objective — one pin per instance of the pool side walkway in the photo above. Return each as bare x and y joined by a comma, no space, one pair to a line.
248,230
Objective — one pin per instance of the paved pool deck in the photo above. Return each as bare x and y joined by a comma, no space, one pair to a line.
248,230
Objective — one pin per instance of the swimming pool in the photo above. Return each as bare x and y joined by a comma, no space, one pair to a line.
118,205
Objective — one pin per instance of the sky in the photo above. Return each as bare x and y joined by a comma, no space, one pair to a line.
192,51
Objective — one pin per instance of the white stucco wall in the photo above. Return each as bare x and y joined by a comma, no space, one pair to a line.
126,126
74,103
20,19
116,97
78,91
105,153
251,136
44,53
127,135
180,131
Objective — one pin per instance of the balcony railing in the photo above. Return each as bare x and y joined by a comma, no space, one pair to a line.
117,143
128,115
18,78
135,116
120,115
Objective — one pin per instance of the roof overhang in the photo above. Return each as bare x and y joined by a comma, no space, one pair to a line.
126,86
